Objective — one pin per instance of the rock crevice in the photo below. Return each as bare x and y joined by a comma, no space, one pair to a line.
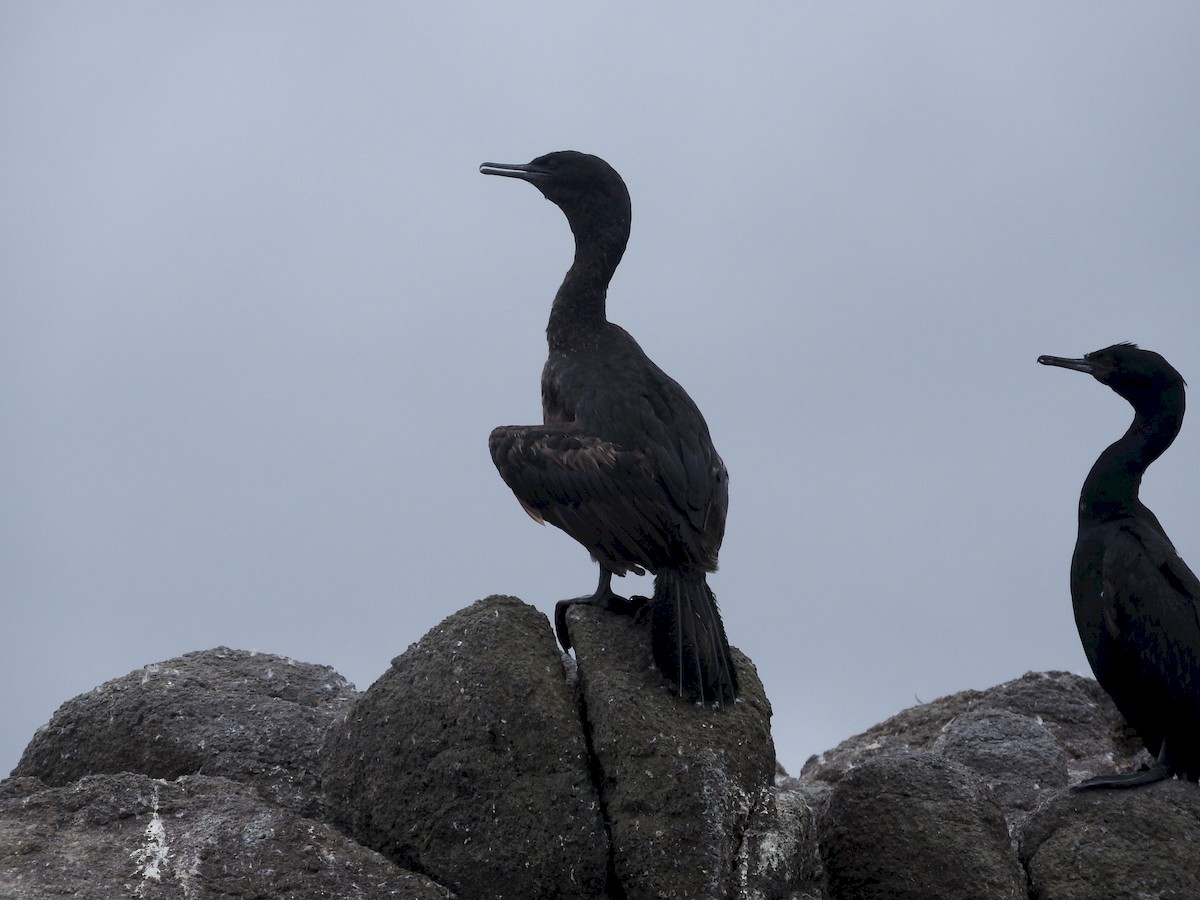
485,763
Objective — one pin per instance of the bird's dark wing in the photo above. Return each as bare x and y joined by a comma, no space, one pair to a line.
693,472
692,476
602,494
1150,632
653,414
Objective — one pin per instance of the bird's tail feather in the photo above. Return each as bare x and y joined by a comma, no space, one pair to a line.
688,637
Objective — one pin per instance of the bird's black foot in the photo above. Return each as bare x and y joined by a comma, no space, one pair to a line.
605,599
1157,772
1160,771
639,608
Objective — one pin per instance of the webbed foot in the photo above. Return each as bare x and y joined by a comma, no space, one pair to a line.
1125,779
604,598
1160,771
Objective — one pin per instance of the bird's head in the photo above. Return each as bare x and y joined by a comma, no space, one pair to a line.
586,188
1140,376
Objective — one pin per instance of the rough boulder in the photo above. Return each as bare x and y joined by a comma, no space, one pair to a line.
485,763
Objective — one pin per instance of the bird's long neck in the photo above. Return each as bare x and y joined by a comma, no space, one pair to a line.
1111,488
577,317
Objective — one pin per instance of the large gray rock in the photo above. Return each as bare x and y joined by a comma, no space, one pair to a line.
1080,716
1016,756
256,718
1025,736
678,781
196,838
916,827
467,761
497,766
1115,843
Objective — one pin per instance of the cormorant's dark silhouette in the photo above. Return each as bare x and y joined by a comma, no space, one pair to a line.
1137,604
623,461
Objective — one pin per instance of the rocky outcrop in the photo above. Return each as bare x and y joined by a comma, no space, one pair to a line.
196,837
894,802
1129,843
1015,756
467,760
916,826
254,718
1071,712
485,763
474,760
678,782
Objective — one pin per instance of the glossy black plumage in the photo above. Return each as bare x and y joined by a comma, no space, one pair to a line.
623,461
1137,604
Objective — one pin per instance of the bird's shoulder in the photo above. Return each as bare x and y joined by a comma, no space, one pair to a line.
614,388
1143,576
614,391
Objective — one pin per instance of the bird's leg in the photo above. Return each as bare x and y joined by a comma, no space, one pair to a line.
1160,771
603,598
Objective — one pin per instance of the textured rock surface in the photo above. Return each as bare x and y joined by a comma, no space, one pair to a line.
916,827
493,764
1123,843
1072,712
1016,756
256,718
467,761
678,781
196,838
778,859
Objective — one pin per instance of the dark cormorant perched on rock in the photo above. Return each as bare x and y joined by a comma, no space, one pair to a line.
623,461
1137,604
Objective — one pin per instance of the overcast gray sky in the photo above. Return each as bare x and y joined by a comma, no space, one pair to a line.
260,312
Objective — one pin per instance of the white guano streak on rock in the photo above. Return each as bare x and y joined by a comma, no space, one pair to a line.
152,855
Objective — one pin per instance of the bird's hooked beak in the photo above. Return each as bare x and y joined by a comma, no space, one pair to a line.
524,171
1079,365
1098,369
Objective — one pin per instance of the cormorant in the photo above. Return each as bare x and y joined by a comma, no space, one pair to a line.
623,461
1137,604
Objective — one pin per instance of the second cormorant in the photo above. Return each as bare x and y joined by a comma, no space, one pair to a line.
623,461
1137,604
